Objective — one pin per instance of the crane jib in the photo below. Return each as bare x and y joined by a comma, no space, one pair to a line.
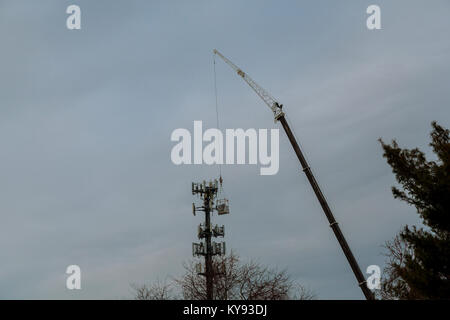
279,116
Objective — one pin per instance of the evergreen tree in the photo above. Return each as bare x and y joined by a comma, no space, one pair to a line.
423,270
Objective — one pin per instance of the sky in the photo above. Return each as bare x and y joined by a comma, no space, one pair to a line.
86,117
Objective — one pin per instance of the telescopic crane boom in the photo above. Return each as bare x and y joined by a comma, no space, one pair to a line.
280,116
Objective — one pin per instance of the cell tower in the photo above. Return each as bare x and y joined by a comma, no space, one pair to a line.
209,193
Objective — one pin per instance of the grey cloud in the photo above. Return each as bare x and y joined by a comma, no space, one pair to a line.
86,118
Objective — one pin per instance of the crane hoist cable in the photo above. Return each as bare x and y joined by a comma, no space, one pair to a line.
280,116
217,117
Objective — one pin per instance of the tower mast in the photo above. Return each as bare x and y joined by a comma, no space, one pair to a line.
208,192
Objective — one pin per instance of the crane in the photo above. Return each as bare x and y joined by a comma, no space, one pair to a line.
279,115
